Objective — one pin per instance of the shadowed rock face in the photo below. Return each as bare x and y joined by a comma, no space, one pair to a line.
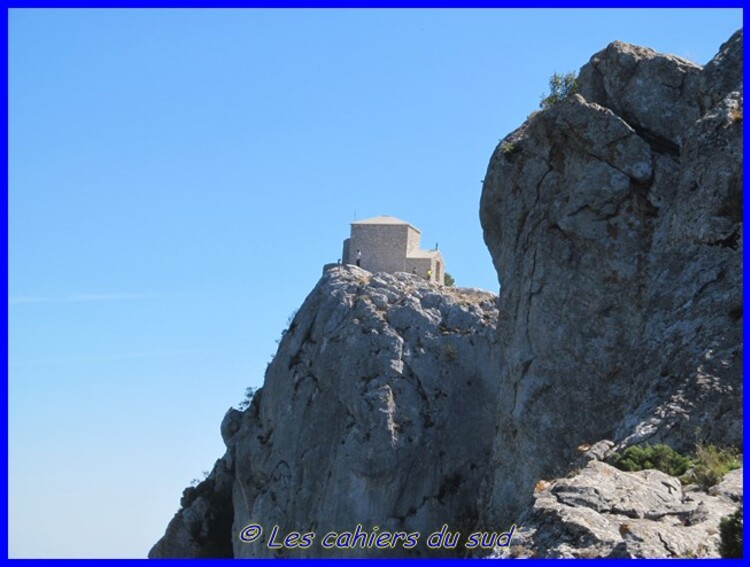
614,222
378,409
202,528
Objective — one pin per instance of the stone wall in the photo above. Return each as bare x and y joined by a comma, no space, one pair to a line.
419,266
412,241
383,247
345,252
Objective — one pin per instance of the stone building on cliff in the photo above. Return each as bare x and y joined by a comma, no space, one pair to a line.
388,244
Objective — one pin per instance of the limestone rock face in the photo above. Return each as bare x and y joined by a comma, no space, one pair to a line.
654,93
614,222
605,512
378,409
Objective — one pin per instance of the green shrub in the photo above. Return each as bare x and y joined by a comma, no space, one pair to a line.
711,464
507,147
448,280
659,457
561,86
730,530
706,468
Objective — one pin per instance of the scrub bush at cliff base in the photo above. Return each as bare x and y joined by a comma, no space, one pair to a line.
731,535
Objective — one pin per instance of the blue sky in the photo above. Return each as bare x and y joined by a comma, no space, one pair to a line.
177,179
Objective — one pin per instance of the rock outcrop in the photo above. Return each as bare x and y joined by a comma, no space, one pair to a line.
605,512
614,220
378,410
203,526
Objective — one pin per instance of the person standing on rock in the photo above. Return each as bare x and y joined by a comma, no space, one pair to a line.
429,275
359,257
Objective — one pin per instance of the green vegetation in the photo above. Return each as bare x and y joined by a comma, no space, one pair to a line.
561,86
507,147
730,530
659,457
706,467
711,464
448,279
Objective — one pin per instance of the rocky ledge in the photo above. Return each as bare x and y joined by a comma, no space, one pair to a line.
601,511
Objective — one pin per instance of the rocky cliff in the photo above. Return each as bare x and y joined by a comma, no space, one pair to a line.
378,410
614,220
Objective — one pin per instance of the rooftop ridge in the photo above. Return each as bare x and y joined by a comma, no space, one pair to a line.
386,219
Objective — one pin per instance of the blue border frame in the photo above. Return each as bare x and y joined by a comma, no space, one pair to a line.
5,284
48,4
372,4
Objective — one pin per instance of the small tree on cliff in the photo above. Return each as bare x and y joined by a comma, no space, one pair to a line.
245,403
561,86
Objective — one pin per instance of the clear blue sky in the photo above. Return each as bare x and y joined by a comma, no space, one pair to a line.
177,180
